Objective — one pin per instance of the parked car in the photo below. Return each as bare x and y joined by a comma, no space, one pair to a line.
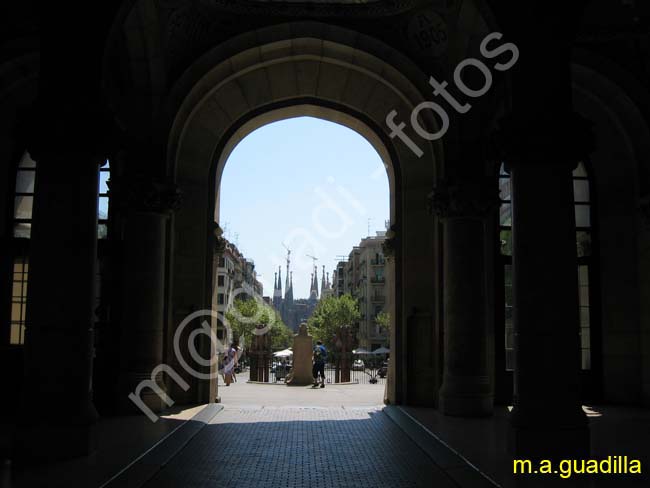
358,365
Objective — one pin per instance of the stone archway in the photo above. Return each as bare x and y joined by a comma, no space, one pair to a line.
604,95
332,73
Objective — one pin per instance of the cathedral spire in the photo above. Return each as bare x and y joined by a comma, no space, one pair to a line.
288,293
277,293
323,283
313,292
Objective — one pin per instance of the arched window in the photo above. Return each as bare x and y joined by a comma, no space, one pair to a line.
582,203
102,208
22,227
24,196
583,209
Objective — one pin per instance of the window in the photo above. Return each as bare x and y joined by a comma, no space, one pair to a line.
221,280
221,299
18,301
505,235
24,196
102,208
582,205
22,228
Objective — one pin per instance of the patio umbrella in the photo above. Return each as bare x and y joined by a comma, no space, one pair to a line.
361,350
285,353
381,350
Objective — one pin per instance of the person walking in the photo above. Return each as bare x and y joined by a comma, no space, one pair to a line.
319,358
230,361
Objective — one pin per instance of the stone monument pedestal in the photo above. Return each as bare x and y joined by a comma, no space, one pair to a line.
302,358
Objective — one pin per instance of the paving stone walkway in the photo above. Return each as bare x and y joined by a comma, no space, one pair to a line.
262,446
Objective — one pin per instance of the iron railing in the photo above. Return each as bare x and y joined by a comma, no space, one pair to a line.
371,369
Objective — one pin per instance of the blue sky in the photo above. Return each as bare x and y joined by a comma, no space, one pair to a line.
307,183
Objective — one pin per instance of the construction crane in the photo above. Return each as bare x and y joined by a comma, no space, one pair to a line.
288,255
313,258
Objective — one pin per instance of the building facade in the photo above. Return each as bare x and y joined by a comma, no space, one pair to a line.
165,90
236,278
363,277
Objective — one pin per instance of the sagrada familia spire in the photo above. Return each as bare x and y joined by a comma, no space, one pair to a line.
313,292
295,311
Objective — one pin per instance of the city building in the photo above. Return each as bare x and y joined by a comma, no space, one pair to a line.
542,305
236,278
362,276
338,278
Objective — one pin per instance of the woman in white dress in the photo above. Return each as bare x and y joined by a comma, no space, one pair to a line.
230,361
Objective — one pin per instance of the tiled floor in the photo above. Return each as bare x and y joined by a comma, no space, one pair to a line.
615,431
120,441
301,447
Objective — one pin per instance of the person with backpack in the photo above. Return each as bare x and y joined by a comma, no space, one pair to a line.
319,358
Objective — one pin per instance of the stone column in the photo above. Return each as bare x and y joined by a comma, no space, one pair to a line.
146,205
542,140
547,420
644,291
57,413
216,349
392,394
467,389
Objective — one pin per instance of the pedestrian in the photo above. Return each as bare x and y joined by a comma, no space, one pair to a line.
230,361
319,358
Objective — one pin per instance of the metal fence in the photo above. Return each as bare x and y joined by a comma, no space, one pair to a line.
352,369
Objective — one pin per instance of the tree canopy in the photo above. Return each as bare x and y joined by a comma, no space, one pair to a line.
383,320
244,317
330,314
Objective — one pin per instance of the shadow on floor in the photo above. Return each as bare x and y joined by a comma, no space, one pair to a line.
615,431
120,440
268,447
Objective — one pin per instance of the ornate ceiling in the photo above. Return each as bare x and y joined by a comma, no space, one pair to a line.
319,8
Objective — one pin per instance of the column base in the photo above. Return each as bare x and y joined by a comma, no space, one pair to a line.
39,443
150,398
548,442
466,397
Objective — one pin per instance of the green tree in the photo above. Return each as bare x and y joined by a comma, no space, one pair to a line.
244,317
330,314
281,335
382,319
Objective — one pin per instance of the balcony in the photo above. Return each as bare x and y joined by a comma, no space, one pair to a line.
378,262
377,279
378,298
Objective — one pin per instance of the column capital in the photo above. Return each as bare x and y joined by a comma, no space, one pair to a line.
71,135
468,199
562,139
219,240
145,194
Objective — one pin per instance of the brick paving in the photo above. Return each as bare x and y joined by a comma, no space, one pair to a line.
274,446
